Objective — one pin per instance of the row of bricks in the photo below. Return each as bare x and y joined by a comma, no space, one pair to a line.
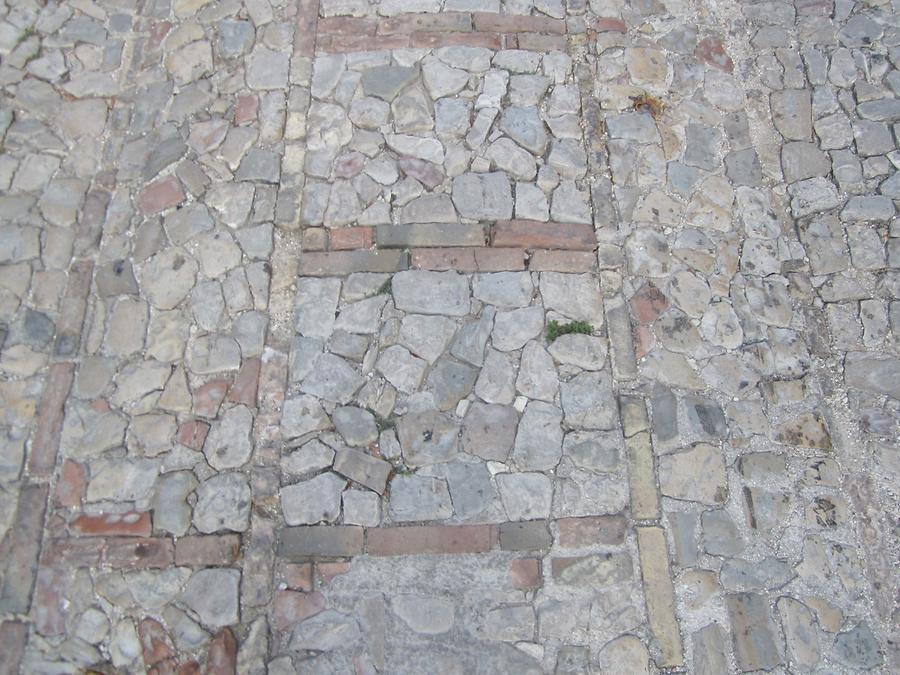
142,552
328,541
525,234
467,260
444,22
536,42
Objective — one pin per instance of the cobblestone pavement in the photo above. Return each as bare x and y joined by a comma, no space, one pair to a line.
449,336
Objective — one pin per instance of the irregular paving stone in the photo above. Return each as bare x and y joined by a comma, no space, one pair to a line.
332,379
472,338
858,648
427,437
587,401
694,474
386,82
424,615
808,430
584,351
483,196
489,431
525,496
450,382
513,329
168,278
596,451
577,296
503,289
302,415
496,382
753,632
213,595
356,425
363,468
537,376
427,336
626,652
415,497
539,437
313,501
720,536
228,444
431,292
401,369
223,503
596,570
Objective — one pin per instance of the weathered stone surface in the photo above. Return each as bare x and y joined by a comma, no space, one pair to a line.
483,196
427,438
223,503
415,497
424,292
228,444
539,437
525,496
213,595
587,401
694,474
753,632
302,415
313,501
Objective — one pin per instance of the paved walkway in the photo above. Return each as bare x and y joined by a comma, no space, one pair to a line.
449,336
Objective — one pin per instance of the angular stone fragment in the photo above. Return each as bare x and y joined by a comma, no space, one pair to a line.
539,437
694,474
450,382
228,444
587,401
223,503
302,415
415,497
363,468
752,631
489,431
427,437
313,501
426,292
213,595
386,82
525,496
485,196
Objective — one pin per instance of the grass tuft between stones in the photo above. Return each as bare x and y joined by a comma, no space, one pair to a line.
385,287
555,329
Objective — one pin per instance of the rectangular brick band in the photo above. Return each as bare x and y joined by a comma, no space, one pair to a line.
431,539
659,594
45,442
346,25
500,23
305,35
21,558
72,308
535,234
320,540
339,263
13,636
444,22
429,234
204,550
562,261
117,552
468,259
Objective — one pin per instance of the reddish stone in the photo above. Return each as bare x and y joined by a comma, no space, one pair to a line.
422,539
100,405
155,643
512,23
192,434
648,303
71,312
208,397
445,22
349,164
291,607
562,261
246,109
535,234
499,259
131,524
49,603
71,484
337,263
329,570
442,259
48,424
350,238
140,553
166,667
591,530
73,552
607,24
434,40
314,239
189,668
208,550
525,573
158,32
305,32
430,175
161,195
246,383
346,25
711,51
299,576
221,659
644,341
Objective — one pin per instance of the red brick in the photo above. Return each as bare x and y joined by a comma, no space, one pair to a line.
155,643
208,550
445,22
648,303
644,340
359,43
543,260
499,259
346,25
48,425
221,658
329,570
305,32
208,397
433,40
314,239
535,234
291,607
607,24
538,42
422,539
442,259
499,23
299,576
246,109
189,668
13,636
591,530
511,41
349,238
140,553
71,484
246,383
525,573
72,308
49,603
161,195
132,524
20,549
712,51
337,263
329,541
192,434
73,552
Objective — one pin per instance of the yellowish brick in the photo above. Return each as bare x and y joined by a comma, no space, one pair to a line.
659,595
642,477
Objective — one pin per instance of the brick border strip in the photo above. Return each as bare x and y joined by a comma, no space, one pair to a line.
477,29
